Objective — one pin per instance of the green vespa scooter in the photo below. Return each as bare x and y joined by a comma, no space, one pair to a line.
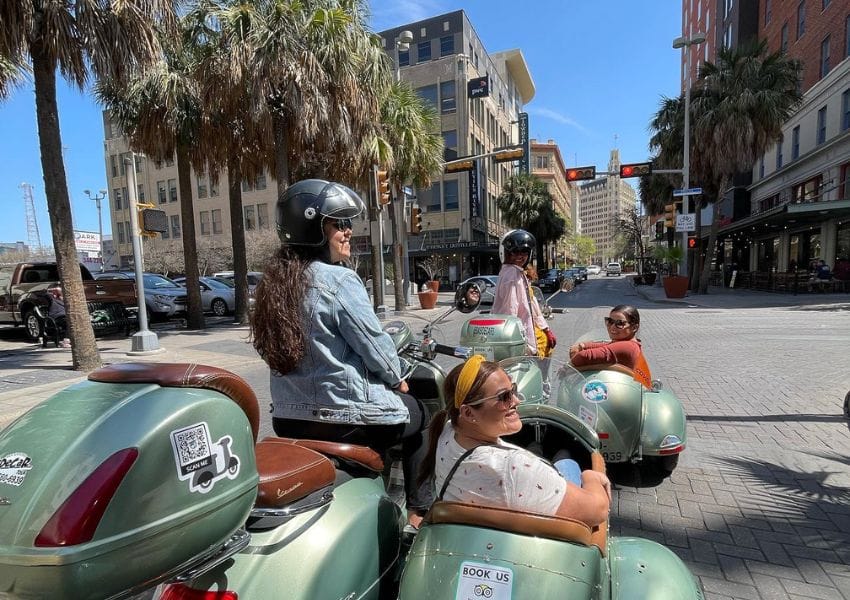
470,552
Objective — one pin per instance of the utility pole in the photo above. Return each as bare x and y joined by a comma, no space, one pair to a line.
97,198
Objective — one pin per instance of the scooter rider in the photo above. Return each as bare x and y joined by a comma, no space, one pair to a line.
335,375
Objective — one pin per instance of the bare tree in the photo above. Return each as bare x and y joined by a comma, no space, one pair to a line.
260,246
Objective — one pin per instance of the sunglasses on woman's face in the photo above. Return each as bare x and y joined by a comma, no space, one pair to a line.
505,397
342,224
618,323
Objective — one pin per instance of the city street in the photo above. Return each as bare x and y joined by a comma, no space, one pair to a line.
759,506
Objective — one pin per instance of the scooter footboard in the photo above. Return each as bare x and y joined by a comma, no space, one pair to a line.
645,569
462,561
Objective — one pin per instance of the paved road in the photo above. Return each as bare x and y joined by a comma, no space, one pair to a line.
759,506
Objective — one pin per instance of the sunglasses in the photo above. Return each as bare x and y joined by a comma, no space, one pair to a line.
505,397
342,224
618,323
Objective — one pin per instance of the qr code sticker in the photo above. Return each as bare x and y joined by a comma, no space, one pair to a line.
191,448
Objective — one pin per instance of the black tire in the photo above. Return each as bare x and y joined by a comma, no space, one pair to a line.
33,326
847,405
660,465
219,307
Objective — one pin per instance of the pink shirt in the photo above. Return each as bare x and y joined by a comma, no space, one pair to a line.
512,298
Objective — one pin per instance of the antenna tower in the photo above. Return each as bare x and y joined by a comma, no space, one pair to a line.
33,237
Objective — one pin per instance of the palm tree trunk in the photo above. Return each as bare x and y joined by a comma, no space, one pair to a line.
195,309
237,232
712,237
397,221
281,154
84,353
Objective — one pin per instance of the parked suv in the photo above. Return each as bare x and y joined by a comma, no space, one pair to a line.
549,280
163,297
613,268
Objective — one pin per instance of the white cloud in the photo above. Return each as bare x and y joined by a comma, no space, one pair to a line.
554,115
392,13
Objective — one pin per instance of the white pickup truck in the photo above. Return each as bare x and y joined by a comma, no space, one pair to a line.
613,268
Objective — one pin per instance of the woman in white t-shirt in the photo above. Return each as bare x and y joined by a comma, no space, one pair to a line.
466,439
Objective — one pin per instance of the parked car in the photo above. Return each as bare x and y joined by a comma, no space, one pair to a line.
163,297
549,281
613,268
487,284
216,297
254,277
594,270
572,274
582,271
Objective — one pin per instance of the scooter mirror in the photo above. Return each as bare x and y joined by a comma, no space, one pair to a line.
467,297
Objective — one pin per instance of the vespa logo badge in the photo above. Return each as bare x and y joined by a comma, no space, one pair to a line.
199,461
14,468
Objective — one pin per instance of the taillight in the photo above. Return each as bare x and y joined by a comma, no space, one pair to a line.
78,517
177,591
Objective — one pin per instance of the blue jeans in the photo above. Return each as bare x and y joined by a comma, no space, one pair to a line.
569,470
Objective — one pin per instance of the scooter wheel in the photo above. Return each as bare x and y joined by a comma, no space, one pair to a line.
847,405
233,467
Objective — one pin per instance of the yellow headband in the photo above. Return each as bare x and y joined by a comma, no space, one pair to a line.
466,378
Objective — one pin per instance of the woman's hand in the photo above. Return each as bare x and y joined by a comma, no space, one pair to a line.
576,348
402,388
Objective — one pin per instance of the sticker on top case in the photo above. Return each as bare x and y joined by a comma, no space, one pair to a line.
481,581
594,391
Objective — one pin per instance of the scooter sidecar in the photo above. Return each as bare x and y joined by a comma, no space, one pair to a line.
115,482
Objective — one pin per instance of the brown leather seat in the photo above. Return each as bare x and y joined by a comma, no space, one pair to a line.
185,375
360,455
289,474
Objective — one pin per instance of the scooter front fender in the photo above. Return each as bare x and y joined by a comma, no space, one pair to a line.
645,569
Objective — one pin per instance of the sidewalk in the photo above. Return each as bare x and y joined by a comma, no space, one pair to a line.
30,374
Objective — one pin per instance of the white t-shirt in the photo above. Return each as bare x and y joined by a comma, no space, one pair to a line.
506,476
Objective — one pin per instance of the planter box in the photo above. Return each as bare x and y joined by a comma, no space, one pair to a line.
675,286
428,299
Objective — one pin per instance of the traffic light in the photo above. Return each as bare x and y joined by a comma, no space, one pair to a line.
458,166
383,186
635,169
580,173
659,229
692,242
670,216
508,154
415,220
151,220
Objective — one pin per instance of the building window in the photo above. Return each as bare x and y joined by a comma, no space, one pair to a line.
761,167
403,58
778,155
423,51
847,35
783,38
260,183
202,185
263,216
447,97
845,110
116,195
165,234
824,57
541,161
429,198
247,186
175,226
140,163
844,184
429,94
114,163
250,223
450,194
205,222
767,11
822,125
801,19
172,190
450,144
158,164
169,162
795,143
216,221
808,191
447,45
160,192
120,230
213,186
141,192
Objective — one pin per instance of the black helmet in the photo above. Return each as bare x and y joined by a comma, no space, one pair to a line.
305,205
517,240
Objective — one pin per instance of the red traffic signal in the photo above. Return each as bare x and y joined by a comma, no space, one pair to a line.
581,173
635,169
692,242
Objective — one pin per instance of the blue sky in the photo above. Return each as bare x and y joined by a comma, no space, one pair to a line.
600,68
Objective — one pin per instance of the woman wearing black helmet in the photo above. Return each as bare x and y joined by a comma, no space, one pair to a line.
513,293
335,375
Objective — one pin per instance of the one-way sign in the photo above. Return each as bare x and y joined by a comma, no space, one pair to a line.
688,192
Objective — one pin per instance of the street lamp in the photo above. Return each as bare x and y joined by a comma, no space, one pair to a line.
100,195
685,44
402,44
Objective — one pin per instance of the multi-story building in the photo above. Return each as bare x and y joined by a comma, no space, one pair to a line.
601,202
460,219
548,166
157,184
794,207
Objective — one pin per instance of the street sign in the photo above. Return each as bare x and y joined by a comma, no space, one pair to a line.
686,222
687,192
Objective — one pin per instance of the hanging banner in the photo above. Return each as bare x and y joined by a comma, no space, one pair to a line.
474,192
478,87
524,166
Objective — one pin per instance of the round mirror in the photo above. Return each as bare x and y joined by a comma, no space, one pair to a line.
467,297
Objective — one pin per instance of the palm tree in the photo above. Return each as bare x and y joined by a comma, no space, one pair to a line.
82,39
739,108
525,202
410,146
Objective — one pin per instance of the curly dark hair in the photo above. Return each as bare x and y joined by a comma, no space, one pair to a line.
277,323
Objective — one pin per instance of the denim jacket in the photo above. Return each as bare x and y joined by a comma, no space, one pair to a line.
349,363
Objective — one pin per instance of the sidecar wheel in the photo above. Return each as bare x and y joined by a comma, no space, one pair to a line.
847,405
660,465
